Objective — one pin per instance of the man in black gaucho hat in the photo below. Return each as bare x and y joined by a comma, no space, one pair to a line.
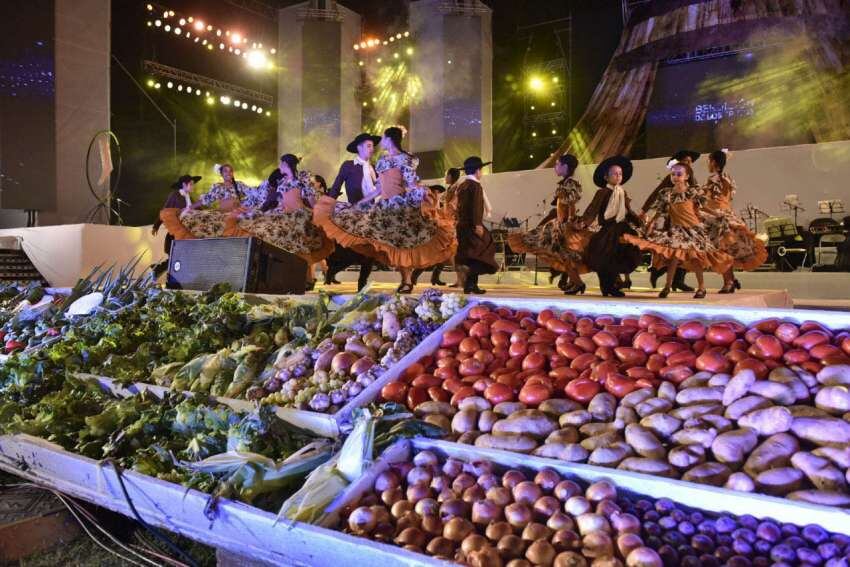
359,177
179,199
687,157
476,250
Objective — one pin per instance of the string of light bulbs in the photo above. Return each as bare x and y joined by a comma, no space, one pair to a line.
210,37
208,97
374,42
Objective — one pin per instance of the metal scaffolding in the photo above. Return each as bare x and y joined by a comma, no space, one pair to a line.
167,71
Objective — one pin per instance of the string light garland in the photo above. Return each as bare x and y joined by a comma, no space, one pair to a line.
210,98
373,42
211,38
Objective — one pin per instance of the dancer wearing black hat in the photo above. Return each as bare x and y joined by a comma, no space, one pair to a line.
476,250
359,178
179,200
404,228
558,242
606,254
688,157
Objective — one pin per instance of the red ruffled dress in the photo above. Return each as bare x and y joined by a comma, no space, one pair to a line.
557,242
403,228
726,230
684,237
287,223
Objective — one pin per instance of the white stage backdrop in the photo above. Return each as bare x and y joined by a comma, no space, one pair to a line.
815,172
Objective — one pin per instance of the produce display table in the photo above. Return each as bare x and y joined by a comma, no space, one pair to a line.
249,532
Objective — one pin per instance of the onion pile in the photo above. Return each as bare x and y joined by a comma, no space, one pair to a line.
763,409
478,514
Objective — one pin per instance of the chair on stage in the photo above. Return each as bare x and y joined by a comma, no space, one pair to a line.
826,253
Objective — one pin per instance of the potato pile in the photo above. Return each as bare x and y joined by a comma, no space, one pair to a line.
754,425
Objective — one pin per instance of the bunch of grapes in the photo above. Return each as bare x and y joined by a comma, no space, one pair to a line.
403,344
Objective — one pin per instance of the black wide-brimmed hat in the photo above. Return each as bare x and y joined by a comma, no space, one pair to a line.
682,154
473,163
185,179
602,170
569,160
362,137
437,188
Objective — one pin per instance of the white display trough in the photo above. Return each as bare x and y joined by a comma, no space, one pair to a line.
706,498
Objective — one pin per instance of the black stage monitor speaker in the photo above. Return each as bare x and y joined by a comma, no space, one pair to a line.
247,264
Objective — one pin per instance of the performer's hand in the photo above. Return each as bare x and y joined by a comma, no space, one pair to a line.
479,230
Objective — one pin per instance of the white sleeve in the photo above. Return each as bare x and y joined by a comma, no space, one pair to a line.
488,208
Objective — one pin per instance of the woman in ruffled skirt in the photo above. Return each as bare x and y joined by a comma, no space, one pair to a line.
726,230
285,219
207,216
398,222
683,241
559,242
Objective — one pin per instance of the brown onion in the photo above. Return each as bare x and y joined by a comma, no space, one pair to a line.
560,521
473,542
500,495
484,557
413,548
386,480
511,478
519,563
401,508
545,506
597,544
362,520
419,475
462,482
518,515
447,494
601,490
607,507
547,479
392,495
452,467
589,523
510,546
644,557
456,529
625,523
382,515
453,508
440,482
416,492
566,489
540,552
409,520
488,481
473,494
564,540
425,459
627,543
535,531
498,530
570,559
526,492
485,511
411,536
577,505
441,547
432,525
427,507
478,468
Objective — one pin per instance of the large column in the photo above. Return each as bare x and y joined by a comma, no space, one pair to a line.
453,120
318,112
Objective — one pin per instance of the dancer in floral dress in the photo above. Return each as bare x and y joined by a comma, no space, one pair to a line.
207,216
683,240
726,230
559,242
285,219
403,228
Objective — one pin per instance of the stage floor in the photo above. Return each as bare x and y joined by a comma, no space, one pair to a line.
513,284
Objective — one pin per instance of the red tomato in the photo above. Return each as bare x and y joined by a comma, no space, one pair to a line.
470,367
683,358
512,381
720,334
416,396
478,311
604,353
426,381
534,361
534,394
662,329
394,392
769,347
638,372
757,366
484,356
497,393
606,339
767,326
645,320
713,361
630,355
557,326
583,361
446,373
646,341
569,351
504,326
825,351
787,332
675,374
796,356
482,384
563,372
544,316
452,338
669,348
438,394
469,345
479,329
582,390
691,330
413,370
811,339
500,338
462,394
585,343
519,348
656,362
453,385
618,385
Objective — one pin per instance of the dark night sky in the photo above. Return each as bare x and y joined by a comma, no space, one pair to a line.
208,134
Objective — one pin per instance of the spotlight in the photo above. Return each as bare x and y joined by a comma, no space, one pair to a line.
398,36
180,88
244,105
407,34
392,39
157,23
197,39
182,21
209,27
363,44
149,7
360,63
199,25
236,103
210,100
230,49
268,113
552,103
395,55
534,134
190,19
273,51
171,13
449,61
254,107
189,90
218,33
237,51
409,51
535,84
530,156
554,79
150,82
225,99
236,38
167,27
207,93
169,84
379,60
259,45
209,46
356,46
204,42
177,31
150,23
165,14
385,42
554,131
198,92
259,110
156,85
221,46
532,107
365,103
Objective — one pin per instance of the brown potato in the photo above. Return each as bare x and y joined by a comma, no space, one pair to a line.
610,456
603,440
432,407
779,482
575,418
834,499
662,424
774,452
738,386
667,391
558,406
740,482
686,456
476,403
715,474
745,405
781,394
699,395
820,472
834,375
840,456
465,420
703,436
526,422
564,435
508,442
828,431
632,399
570,452
602,406
596,428
833,399
486,420
768,421
718,422
653,405
624,416
644,442
734,446
655,467
507,408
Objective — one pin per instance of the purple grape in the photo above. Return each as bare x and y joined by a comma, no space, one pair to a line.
741,547
702,543
815,534
678,516
808,555
745,534
724,539
828,550
790,529
783,552
840,540
653,529
768,531
686,551
761,562
794,542
738,561
668,556
762,546
748,521
674,538
651,516
709,561
667,522
696,517
664,505
723,553
643,505
725,524
707,527
687,529
836,562
691,561
654,542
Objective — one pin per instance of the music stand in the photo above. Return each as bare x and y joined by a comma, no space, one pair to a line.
792,201
831,206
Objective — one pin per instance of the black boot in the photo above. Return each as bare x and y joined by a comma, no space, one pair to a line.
679,281
435,276
415,277
363,278
471,286
654,274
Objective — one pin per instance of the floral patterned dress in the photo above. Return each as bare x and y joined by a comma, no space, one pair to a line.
684,236
726,230
287,222
557,242
210,221
403,228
